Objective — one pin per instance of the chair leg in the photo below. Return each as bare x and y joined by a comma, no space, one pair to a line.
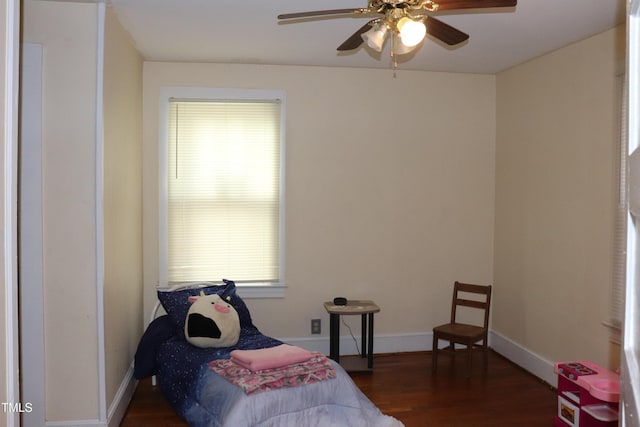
434,354
486,355
469,357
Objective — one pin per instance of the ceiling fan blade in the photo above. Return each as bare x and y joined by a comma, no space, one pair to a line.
473,4
317,13
444,32
356,40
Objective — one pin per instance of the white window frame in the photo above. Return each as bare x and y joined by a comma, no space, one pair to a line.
630,378
253,290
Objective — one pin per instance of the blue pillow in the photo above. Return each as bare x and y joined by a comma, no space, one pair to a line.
176,303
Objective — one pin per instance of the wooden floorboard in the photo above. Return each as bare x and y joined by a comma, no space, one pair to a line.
403,386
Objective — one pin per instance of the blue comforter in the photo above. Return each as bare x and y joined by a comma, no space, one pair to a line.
205,399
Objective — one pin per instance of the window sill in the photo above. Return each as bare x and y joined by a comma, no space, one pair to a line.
259,290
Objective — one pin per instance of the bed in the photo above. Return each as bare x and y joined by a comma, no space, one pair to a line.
191,379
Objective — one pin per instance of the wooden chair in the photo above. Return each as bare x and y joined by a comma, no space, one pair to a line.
461,333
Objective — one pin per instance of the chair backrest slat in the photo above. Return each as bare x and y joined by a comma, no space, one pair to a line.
471,303
472,289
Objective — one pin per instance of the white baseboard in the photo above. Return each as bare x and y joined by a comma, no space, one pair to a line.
76,423
383,343
523,357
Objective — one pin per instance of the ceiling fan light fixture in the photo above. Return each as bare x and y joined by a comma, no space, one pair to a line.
400,48
411,32
376,36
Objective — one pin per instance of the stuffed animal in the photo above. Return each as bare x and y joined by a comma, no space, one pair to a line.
211,322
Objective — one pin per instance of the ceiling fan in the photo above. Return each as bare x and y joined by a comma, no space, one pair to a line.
407,22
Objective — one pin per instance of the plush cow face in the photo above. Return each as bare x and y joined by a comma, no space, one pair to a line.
211,322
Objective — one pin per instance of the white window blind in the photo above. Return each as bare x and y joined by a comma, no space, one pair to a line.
224,190
620,227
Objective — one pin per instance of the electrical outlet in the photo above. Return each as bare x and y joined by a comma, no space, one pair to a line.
316,326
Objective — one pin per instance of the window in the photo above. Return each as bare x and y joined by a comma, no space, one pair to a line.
222,194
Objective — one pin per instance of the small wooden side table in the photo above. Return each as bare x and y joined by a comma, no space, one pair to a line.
366,309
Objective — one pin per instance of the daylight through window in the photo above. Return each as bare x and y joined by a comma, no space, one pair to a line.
224,190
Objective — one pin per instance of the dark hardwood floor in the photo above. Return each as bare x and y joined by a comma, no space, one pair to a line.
403,386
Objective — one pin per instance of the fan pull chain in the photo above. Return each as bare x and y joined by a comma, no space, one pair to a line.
393,56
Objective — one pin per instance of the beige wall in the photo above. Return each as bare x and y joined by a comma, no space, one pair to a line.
122,202
389,188
555,194
67,32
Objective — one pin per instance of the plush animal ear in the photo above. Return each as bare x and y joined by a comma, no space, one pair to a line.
194,298
212,322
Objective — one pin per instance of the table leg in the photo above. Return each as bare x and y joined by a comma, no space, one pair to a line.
363,329
370,349
334,337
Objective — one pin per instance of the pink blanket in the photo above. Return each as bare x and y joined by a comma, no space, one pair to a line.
270,358
318,368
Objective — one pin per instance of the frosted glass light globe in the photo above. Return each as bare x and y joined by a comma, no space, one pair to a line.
411,32
376,36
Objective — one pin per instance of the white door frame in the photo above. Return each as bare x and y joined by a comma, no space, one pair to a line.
630,358
30,237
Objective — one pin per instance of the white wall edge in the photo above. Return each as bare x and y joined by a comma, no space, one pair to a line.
523,357
99,211
10,224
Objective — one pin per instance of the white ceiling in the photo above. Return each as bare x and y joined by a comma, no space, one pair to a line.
247,32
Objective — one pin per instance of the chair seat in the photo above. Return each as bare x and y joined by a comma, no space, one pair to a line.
459,330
